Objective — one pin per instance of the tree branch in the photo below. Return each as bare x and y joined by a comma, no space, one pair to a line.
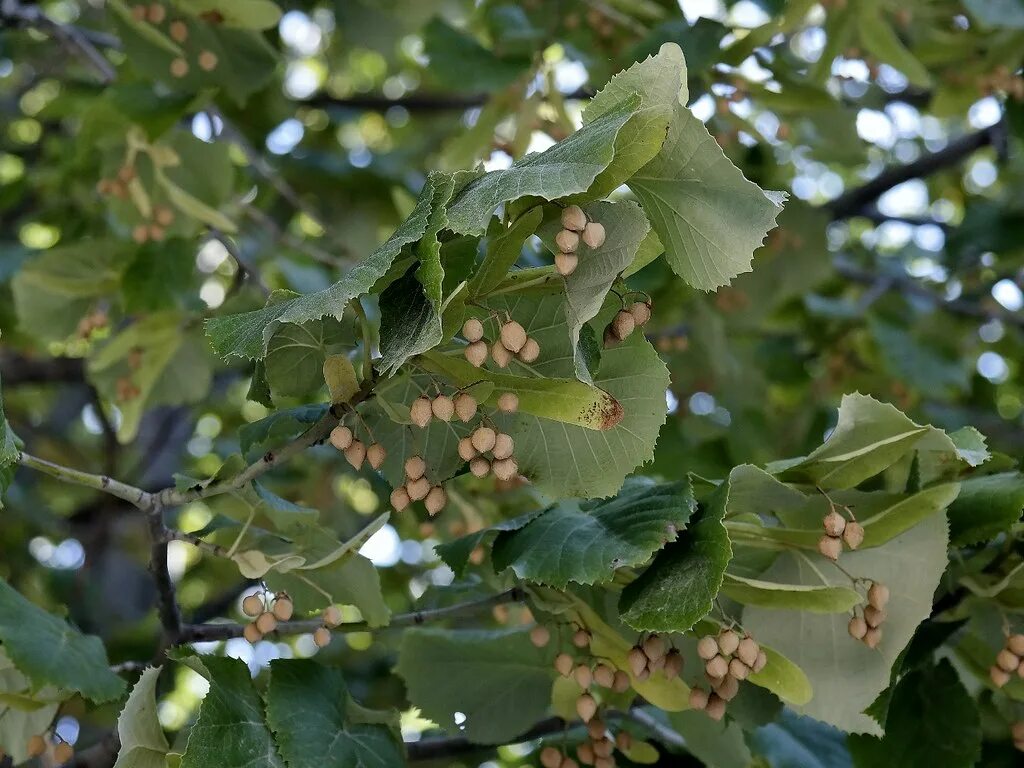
208,632
414,102
16,369
129,493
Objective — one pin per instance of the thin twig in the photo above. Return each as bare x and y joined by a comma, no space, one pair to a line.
121,490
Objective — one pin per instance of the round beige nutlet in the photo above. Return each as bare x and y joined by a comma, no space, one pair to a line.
156,13
624,740
878,596
585,753
476,353
36,746
420,411
418,488
655,647
747,651
834,524
472,330
567,241
604,675
761,662
178,31
266,623
623,324
583,676
436,500
513,336
738,669
322,637
1014,642
415,467
500,355
566,263
179,67
505,469
873,637
564,664
376,454
581,638
465,406
853,535
999,677
573,218
673,664
62,753
593,235
1007,660
550,757
707,647
717,667
603,747
355,454
252,634
252,606
698,698
728,642
873,616
483,438
830,547
641,312
586,707
207,61
857,628
400,498
530,351
508,402
728,688
503,446
466,450
540,636
284,608
442,407
480,467
621,682
331,616
637,660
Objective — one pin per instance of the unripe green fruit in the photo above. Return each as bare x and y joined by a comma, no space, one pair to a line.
472,330
573,218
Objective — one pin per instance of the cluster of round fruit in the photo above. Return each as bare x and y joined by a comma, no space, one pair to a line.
728,660
93,321
499,445
868,628
156,13
331,617
653,655
1009,660
38,745
425,409
512,342
163,217
576,227
356,452
1017,732
625,322
418,488
265,614
595,750
118,185
837,531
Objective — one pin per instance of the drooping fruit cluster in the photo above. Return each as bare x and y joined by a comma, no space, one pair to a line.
597,748
265,614
1009,660
38,745
551,757
512,342
626,321
728,660
1017,732
156,14
652,655
331,617
575,227
425,409
868,627
486,440
837,531
418,488
355,450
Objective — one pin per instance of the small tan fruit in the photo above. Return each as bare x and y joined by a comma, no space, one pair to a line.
853,535
156,13
178,31
472,330
747,651
284,608
341,437
585,753
36,746
331,616
834,523
508,402
480,467
716,707
322,637
503,446
761,662
164,216
874,617
530,351
400,498
573,218
566,263
878,596
621,682
266,623
596,729
442,407
603,747
1007,660
604,675
1014,642
207,61
140,233
179,67
415,467
604,762
728,688
540,636
624,740
673,664
623,324
418,488
830,547
609,339
698,698
567,241
857,628
738,670
376,454
583,676
466,450
252,634
63,753
505,469
563,663
355,454
637,660
728,642
513,336
435,500
707,647
717,667
476,353
550,757
483,438
253,606
586,707
654,647
465,406
873,637
581,638
420,411
501,356
641,312
999,676
593,234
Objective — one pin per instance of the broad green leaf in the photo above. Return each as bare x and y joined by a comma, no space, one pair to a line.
504,247
846,676
587,287
932,723
792,597
986,507
587,543
352,580
307,709
456,553
143,744
25,709
245,14
341,379
460,63
48,650
801,742
709,218
297,351
679,587
783,678
409,323
716,744
497,679
566,461
565,400
257,438
247,334
906,513
567,168
882,42
231,729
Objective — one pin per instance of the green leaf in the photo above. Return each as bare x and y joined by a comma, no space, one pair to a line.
247,334
679,587
791,597
801,742
192,206
587,543
716,744
504,247
244,14
498,680
932,723
847,676
307,709
587,287
456,553
460,63
906,513
25,709
709,218
986,507
1000,14
881,41
565,400
409,323
297,351
257,438
566,168
8,440
351,580
48,650
143,744
231,729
